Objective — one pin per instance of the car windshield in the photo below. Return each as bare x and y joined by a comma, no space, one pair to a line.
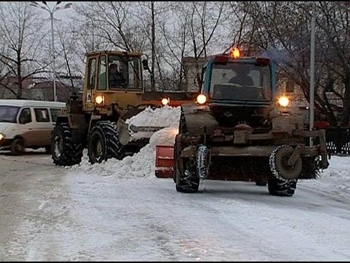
233,81
8,113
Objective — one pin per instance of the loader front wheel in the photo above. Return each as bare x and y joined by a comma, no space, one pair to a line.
103,143
65,152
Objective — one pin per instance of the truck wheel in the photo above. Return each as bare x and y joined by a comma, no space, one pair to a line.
280,168
182,124
187,181
65,152
177,152
281,188
103,143
17,146
48,149
261,182
203,161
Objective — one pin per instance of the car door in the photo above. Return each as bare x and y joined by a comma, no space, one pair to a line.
43,126
26,127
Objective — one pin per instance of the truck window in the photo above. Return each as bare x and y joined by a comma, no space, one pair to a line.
25,116
240,82
8,113
42,115
102,75
54,114
118,75
92,73
135,72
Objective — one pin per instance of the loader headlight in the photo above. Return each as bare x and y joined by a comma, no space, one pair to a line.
100,99
283,101
201,98
1,136
165,101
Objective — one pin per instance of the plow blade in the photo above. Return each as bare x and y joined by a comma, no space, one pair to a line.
164,161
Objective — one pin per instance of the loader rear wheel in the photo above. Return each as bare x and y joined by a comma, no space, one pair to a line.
65,152
103,143
281,188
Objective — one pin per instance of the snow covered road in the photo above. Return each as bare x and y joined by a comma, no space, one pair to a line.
50,213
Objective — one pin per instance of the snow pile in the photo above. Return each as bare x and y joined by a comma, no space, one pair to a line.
159,117
141,164
336,176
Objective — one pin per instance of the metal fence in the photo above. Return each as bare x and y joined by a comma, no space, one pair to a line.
338,140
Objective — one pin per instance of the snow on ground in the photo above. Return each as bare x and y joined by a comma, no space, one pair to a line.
141,164
92,213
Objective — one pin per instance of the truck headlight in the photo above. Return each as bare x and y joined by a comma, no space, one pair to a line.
100,99
201,98
165,101
1,136
283,101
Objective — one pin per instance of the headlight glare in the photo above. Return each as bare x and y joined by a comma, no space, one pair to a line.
99,99
201,98
283,101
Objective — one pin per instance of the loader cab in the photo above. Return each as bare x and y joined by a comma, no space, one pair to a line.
112,77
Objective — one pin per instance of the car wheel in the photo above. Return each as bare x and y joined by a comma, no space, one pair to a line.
17,146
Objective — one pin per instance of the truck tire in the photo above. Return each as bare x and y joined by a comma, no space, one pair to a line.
281,188
65,152
177,152
17,146
280,168
188,181
203,161
261,182
103,143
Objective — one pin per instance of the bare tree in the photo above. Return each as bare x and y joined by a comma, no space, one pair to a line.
113,24
69,55
195,30
334,22
21,37
283,30
150,16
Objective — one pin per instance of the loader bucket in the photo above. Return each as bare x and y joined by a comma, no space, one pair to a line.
164,161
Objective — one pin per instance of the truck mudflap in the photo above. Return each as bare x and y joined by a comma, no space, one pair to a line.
164,163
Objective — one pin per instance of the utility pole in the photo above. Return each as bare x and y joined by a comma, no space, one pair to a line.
312,70
52,49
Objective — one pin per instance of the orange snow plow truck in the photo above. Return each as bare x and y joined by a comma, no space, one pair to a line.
241,129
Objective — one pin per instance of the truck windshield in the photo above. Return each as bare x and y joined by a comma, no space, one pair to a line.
124,73
8,113
238,81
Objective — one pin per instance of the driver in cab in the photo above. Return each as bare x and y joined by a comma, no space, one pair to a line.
242,77
116,78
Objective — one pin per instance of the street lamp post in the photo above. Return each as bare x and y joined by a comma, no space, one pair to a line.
51,12
312,70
